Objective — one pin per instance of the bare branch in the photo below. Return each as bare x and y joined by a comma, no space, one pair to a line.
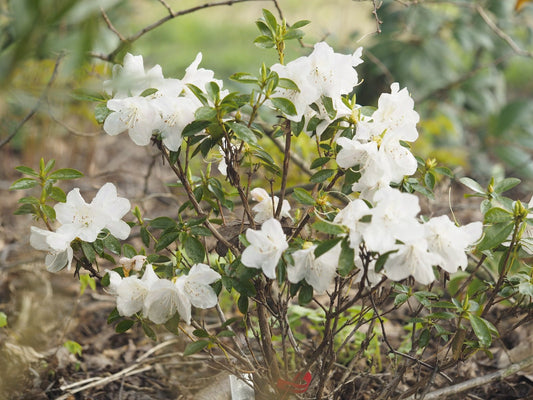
111,27
37,105
501,34
477,382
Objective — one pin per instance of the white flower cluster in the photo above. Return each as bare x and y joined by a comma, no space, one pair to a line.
159,299
391,226
323,73
167,111
83,221
376,147
386,222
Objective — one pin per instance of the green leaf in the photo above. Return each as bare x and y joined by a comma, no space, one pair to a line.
57,194
198,93
73,347
226,333
29,200
112,244
3,319
205,113
303,196
264,29
145,236
300,24
200,231
429,180
243,132
23,183
201,333
148,92
128,250
264,41
163,223
382,259
472,184
497,215
195,347
284,105
27,171
286,83
25,209
293,34
124,325
48,211
346,259
194,249
325,246
89,252
86,280
400,299
322,175
172,325
113,315
242,304
423,339
494,235
148,331
194,127
326,227
243,77
270,19
319,162
101,112
166,239
506,184
481,330
65,173
305,295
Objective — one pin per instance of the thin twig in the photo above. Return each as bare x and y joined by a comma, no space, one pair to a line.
477,382
286,162
501,34
166,6
111,27
37,105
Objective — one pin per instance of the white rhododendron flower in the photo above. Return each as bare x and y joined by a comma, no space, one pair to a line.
175,114
85,221
450,241
322,73
350,216
332,73
135,263
396,113
130,79
317,272
131,291
167,111
136,115
412,259
163,301
266,247
81,220
267,207
527,236
393,218
107,202
166,297
60,253
196,290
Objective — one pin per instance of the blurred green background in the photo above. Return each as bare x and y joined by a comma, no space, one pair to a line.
472,89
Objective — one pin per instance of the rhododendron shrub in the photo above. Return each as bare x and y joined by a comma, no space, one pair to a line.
351,229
